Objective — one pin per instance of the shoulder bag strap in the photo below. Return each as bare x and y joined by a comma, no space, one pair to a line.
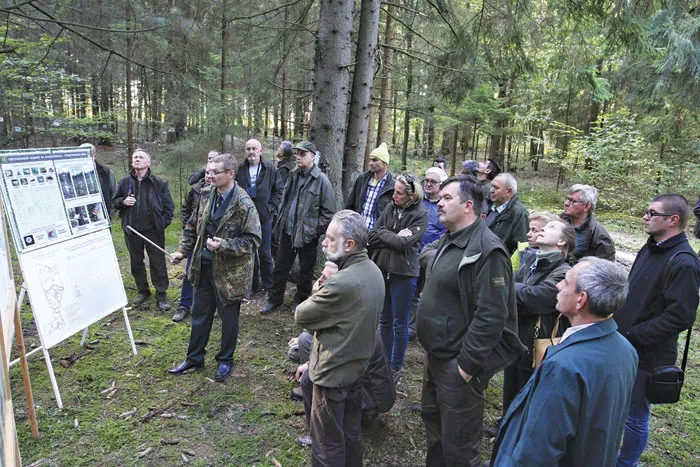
685,352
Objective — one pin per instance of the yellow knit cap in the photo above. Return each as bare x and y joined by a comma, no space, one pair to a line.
381,153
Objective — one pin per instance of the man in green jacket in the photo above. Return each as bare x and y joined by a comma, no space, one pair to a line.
223,243
467,323
308,203
343,316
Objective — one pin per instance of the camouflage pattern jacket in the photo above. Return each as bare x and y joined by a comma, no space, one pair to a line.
239,229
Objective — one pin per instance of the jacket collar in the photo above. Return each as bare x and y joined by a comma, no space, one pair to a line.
666,245
468,239
596,331
315,171
352,258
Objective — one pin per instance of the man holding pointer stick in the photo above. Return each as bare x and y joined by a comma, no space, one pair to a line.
223,243
145,205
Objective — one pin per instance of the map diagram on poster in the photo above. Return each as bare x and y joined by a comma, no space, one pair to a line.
72,285
53,195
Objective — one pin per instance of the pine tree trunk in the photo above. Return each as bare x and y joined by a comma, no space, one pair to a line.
385,94
359,118
129,123
332,59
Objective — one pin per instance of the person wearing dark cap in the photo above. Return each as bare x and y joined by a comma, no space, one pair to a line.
308,204
440,162
470,167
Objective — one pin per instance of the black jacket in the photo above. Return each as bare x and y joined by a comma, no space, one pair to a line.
357,195
511,224
596,240
108,185
268,189
536,296
662,300
191,202
160,199
283,169
394,254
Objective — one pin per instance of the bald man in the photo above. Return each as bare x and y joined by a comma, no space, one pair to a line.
145,204
258,177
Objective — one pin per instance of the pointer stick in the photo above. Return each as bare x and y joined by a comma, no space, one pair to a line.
149,241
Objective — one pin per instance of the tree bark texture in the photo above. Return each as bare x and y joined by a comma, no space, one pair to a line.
385,94
331,86
358,120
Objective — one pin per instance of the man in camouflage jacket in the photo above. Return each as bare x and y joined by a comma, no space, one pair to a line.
223,243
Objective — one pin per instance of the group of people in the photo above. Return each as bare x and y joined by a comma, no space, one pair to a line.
456,261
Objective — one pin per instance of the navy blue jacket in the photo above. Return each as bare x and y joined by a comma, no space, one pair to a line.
573,409
662,300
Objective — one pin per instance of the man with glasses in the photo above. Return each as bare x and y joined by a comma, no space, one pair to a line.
145,204
434,176
222,242
373,189
662,302
308,204
591,238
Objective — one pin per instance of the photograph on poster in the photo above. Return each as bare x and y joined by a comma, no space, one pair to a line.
79,183
66,182
91,179
96,211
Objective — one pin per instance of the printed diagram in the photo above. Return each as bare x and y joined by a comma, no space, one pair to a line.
53,289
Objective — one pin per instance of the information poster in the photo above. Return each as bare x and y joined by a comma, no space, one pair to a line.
53,194
74,284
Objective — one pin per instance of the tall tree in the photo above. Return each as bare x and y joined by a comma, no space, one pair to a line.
358,120
332,60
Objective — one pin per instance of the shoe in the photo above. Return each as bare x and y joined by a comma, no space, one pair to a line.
223,371
269,307
293,353
184,367
140,298
416,408
164,305
248,295
296,394
293,310
304,441
182,311
493,431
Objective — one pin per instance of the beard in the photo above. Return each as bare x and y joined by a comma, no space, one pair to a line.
336,255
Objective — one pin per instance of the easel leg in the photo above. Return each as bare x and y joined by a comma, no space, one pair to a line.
25,369
52,377
128,329
82,341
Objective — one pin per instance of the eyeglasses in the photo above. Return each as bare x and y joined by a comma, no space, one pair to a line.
214,174
410,182
428,181
651,214
573,201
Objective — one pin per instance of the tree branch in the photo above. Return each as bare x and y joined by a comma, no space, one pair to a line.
78,25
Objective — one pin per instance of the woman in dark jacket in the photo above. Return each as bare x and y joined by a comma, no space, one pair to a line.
536,293
394,242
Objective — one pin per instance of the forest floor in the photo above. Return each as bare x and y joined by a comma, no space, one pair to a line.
124,409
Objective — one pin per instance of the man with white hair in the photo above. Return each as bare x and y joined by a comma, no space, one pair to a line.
506,216
145,204
343,316
434,177
108,182
591,238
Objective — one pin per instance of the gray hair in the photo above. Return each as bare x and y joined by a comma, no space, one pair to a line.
589,194
228,161
93,150
352,227
543,216
142,151
605,284
510,180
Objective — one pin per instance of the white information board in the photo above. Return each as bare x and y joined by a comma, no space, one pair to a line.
72,285
53,195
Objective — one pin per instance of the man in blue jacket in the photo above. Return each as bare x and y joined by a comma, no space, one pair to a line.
662,303
571,412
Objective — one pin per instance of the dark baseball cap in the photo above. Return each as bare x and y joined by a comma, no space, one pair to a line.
306,146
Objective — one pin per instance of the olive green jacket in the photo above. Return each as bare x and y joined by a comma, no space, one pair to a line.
239,229
343,315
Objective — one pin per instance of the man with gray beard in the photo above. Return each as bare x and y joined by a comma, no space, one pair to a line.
343,316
